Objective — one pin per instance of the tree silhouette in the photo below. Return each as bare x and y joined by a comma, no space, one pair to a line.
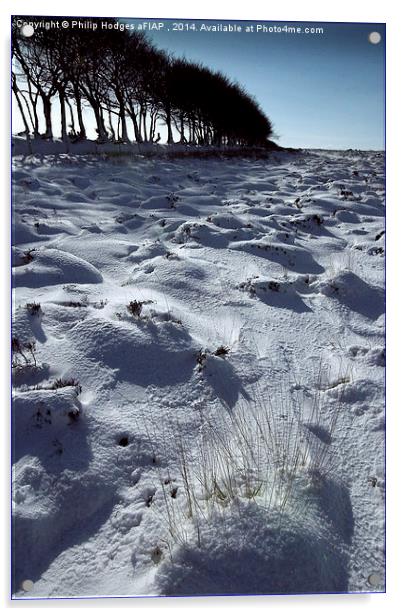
123,78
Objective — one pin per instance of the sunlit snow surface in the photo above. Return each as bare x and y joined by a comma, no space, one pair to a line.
278,261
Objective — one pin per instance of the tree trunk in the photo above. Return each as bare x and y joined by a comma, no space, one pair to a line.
143,114
47,111
22,95
133,117
78,104
111,126
118,128
150,131
20,107
63,118
182,135
100,124
34,103
72,120
122,114
169,124
154,119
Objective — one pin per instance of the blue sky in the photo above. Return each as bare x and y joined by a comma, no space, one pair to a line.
319,90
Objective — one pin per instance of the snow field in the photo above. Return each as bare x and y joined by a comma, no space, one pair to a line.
198,399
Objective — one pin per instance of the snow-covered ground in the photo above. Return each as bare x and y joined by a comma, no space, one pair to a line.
198,374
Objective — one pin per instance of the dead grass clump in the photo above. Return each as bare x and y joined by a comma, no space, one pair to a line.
135,308
23,354
34,309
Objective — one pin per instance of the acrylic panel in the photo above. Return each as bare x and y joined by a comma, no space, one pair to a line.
198,307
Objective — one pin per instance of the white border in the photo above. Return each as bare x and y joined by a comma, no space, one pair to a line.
303,10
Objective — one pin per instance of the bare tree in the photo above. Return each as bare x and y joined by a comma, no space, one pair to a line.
121,76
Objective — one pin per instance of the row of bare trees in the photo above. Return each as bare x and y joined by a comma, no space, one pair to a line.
131,87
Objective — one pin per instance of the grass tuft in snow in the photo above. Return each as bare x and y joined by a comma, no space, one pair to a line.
135,308
60,383
34,309
23,354
269,452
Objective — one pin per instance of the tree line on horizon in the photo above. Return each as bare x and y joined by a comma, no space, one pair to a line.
127,82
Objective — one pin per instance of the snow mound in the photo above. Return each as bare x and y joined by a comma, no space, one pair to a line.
138,351
24,232
50,266
27,324
244,552
50,515
354,293
292,257
283,294
40,415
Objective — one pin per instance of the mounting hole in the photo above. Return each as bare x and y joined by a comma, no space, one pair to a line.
123,442
374,579
27,30
374,38
27,585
